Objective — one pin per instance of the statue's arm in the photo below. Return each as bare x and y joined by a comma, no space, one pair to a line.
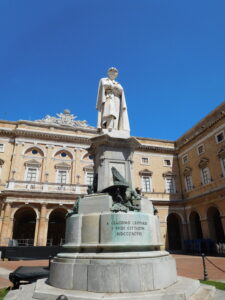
101,95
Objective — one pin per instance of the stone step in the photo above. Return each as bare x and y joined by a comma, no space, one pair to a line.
25,292
204,293
184,289
12,295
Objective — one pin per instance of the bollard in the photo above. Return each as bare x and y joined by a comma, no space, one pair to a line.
204,267
62,297
49,261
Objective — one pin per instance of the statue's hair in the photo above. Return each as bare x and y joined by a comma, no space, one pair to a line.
113,69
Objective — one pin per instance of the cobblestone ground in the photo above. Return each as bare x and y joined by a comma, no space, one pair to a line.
187,265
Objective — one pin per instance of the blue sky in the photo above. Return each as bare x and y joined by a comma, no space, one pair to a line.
170,56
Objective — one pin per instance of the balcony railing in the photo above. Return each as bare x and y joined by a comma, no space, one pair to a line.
46,187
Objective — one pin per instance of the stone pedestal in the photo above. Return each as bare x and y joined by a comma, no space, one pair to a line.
183,289
109,151
113,272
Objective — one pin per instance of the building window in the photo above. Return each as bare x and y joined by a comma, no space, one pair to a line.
31,174
185,159
219,137
146,184
170,185
34,152
188,182
205,175
200,149
2,146
222,161
144,160
167,163
89,178
63,154
62,177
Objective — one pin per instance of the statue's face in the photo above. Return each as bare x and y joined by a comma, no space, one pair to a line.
112,74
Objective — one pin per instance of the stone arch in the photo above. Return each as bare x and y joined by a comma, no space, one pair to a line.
177,213
86,157
174,231
195,225
55,207
56,226
59,151
38,148
24,223
215,226
24,205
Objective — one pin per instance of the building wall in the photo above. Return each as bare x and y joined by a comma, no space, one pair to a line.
59,147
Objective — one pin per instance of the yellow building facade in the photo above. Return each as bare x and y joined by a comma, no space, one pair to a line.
45,167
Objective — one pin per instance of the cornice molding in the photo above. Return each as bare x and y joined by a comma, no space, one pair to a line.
209,121
29,194
157,149
44,135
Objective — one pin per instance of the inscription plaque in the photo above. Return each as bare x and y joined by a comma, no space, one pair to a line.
126,228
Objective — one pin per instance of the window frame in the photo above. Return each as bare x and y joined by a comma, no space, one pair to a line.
165,165
204,179
145,163
169,190
86,177
183,159
216,137
148,185
222,163
27,172
57,176
200,153
188,187
2,149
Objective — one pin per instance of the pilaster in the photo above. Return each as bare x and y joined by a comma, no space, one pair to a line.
5,236
205,228
42,227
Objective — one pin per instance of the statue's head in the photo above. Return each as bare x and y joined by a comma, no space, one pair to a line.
112,73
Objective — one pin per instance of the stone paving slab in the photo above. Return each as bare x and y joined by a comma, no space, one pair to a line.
7,267
187,265
191,266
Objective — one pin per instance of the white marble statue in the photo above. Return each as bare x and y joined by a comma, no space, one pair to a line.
111,104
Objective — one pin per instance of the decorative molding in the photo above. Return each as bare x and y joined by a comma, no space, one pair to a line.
88,168
187,171
63,165
169,174
145,172
64,119
203,163
33,163
221,152
34,146
209,121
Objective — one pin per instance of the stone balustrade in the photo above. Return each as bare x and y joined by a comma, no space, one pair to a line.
46,187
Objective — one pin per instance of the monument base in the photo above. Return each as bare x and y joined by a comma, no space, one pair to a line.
113,272
183,289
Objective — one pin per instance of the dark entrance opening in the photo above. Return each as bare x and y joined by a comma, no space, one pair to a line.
57,227
24,226
195,226
174,232
215,225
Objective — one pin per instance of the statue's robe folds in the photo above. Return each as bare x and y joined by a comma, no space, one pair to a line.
111,103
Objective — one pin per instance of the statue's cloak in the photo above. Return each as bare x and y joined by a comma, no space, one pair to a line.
123,123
